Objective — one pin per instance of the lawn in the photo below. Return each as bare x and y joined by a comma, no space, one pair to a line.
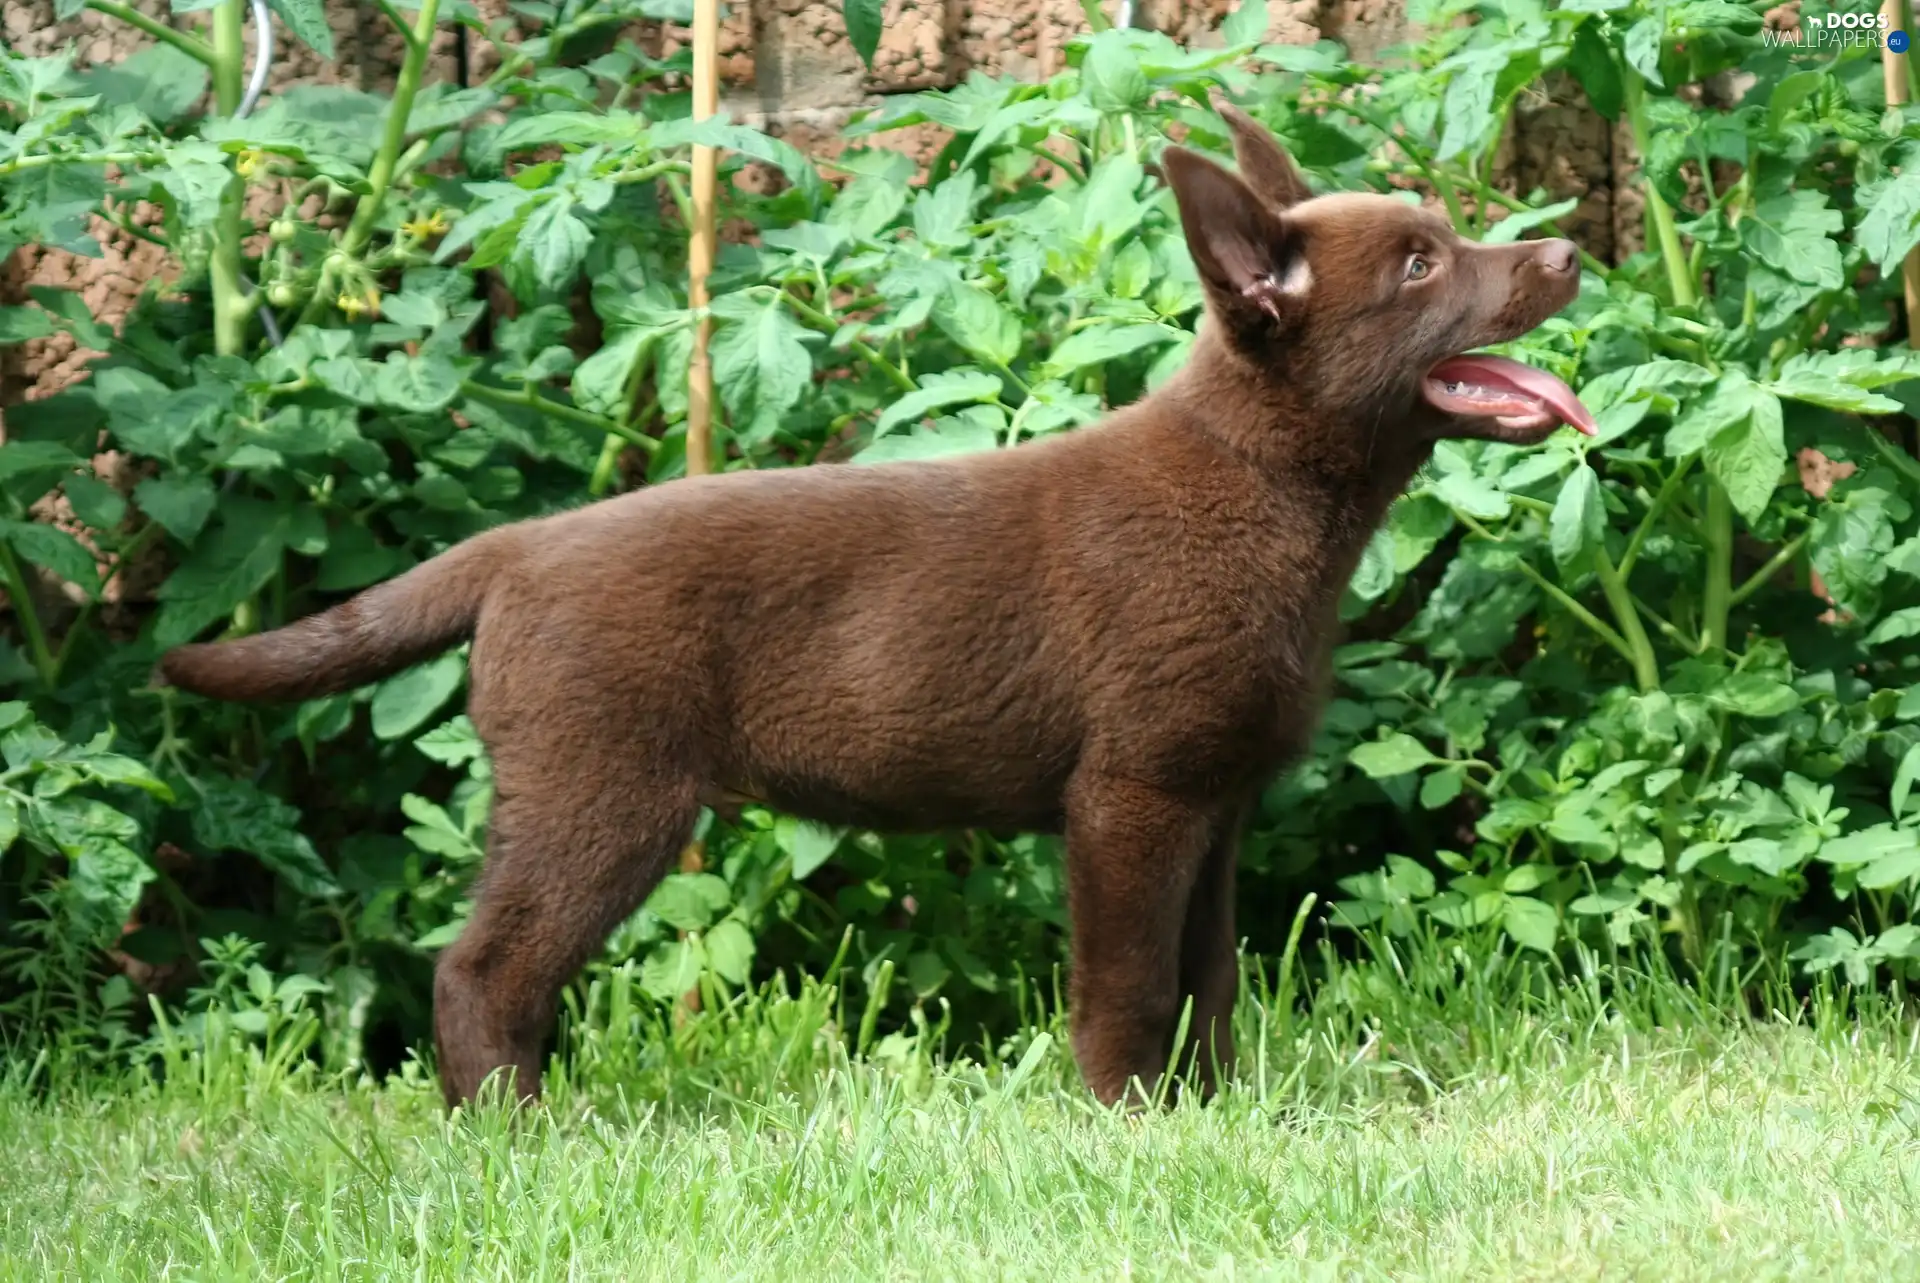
1462,1119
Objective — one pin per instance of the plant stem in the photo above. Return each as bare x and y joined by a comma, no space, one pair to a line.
1717,597
367,214
1605,631
77,629
1667,630
160,31
41,160
398,19
528,399
1775,564
821,321
1679,278
1658,506
44,662
1894,456
1646,668
223,264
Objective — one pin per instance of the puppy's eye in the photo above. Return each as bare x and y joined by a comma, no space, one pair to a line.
1418,268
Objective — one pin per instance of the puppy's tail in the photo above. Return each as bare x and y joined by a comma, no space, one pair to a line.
387,628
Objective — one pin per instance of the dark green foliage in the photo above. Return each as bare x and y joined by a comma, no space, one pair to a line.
1588,695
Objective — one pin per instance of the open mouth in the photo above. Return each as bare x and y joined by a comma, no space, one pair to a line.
1515,396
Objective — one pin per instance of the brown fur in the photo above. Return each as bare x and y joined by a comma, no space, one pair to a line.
1116,634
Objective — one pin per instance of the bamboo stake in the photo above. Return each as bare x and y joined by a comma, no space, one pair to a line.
700,254
1899,84
700,248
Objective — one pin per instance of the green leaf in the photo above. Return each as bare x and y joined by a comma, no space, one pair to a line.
417,384
98,505
1516,224
1903,779
1751,695
1442,787
235,815
181,504
1465,492
1868,846
1395,755
1792,233
109,876
1749,456
818,241
25,458
1132,271
574,128
52,549
760,361
307,19
730,951
555,242
1642,49
942,215
973,430
404,702
1112,75
20,324
1891,227
866,205
672,969
159,81
1816,388
1902,623
222,571
807,844
863,18
717,131
689,901
1890,870
1579,518
937,391
1374,575
1468,103
196,176
1098,344
1246,25
1592,63
972,318
1531,923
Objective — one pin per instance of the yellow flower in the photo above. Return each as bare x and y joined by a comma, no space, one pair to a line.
365,303
249,162
426,227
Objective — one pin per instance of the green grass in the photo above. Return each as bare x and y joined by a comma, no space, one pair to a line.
1409,1117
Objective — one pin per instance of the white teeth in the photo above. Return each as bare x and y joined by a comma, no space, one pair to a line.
1453,388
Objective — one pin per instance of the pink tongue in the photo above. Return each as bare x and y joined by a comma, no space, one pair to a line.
1493,386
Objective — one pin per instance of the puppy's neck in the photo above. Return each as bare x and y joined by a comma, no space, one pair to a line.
1355,465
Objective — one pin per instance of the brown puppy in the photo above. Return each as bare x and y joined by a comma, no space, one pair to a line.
1117,633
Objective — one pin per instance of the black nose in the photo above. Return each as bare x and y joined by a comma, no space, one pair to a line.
1558,255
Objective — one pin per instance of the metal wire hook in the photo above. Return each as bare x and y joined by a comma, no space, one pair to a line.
256,85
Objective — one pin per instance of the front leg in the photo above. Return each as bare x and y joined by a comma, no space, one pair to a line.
1209,957
1133,852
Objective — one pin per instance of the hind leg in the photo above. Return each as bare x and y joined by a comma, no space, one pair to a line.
564,867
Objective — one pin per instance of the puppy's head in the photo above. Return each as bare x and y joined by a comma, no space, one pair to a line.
1368,309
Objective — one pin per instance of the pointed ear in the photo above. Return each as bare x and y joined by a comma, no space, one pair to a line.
1264,164
1248,259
